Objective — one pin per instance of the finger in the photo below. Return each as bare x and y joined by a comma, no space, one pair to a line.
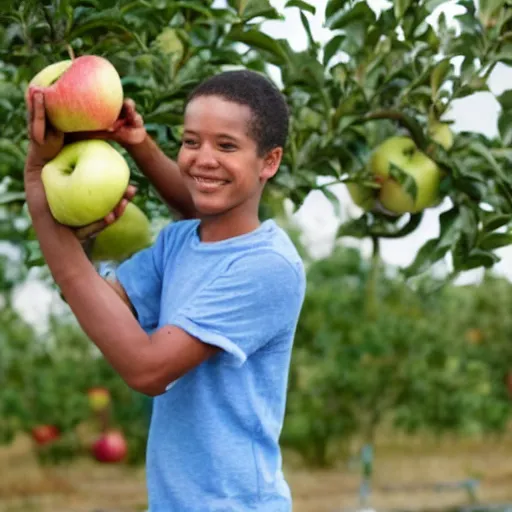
90,230
110,218
129,110
120,208
138,122
129,105
38,118
130,192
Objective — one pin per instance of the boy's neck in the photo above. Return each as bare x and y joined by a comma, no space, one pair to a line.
215,229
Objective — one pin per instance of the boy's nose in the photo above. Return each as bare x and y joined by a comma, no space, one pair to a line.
206,157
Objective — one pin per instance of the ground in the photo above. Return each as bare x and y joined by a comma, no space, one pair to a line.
402,469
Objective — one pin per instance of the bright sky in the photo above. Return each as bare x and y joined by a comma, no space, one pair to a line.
317,219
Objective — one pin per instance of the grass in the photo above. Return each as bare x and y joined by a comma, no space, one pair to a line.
404,470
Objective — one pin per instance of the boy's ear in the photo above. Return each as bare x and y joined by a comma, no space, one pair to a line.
271,163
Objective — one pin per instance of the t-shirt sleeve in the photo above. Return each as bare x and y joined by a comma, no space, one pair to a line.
141,277
257,298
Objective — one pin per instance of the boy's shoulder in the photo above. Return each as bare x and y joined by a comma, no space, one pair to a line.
269,245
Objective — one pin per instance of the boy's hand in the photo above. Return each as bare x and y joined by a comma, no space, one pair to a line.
128,130
45,140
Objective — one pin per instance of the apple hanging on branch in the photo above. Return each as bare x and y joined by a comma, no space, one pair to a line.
407,180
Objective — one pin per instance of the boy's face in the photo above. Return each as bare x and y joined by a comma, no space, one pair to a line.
219,159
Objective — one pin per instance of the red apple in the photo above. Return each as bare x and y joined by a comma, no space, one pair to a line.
83,94
99,398
45,434
110,447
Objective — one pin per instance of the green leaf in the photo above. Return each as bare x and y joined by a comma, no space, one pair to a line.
332,47
493,222
400,6
485,152
493,241
360,12
307,28
505,127
257,39
11,197
357,228
479,258
333,7
249,9
505,100
405,179
305,6
438,75
428,254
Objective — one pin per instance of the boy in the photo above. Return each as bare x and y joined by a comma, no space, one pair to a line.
204,319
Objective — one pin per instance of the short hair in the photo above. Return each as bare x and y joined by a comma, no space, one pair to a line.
269,123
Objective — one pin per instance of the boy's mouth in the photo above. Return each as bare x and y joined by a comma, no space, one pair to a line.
209,181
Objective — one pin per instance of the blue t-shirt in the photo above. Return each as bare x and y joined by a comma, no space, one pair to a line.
214,435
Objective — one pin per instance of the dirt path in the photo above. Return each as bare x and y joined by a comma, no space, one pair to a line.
88,487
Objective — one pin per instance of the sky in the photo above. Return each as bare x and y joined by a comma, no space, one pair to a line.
316,217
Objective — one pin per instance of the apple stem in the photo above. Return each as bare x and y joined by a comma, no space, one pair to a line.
71,52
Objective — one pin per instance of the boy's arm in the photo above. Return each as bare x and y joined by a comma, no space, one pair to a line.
98,307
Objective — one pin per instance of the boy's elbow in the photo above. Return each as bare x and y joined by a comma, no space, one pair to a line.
147,385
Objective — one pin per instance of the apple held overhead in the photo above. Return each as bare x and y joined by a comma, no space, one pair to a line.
82,94
400,154
87,179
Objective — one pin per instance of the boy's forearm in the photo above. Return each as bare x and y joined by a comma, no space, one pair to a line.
102,314
164,174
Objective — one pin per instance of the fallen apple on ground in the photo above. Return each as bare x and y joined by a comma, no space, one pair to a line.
83,94
45,434
84,182
129,234
110,447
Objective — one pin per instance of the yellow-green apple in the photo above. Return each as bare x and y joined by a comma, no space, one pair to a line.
85,181
128,234
364,197
99,398
110,447
83,94
45,434
441,133
403,153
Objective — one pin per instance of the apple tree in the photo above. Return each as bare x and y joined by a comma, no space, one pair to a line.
367,106
368,109
420,365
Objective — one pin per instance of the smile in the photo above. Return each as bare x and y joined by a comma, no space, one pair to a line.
208,183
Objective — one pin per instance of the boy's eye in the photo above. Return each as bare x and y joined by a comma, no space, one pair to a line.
188,142
227,146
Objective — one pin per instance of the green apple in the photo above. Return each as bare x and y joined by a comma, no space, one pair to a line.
127,235
441,133
82,94
402,152
84,182
364,197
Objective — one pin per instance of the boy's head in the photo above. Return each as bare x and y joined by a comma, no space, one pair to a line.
269,121
235,129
